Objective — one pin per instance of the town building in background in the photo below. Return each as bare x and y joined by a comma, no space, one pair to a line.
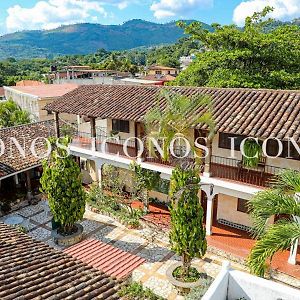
35,98
185,61
85,75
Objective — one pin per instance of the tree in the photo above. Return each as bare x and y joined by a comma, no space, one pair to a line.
12,115
279,200
187,235
61,182
257,56
145,181
176,119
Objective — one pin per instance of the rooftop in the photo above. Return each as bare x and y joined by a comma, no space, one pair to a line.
30,269
249,112
157,67
29,83
160,77
12,160
45,91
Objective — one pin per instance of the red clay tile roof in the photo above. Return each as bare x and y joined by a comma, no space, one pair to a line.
12,160
47,90
260,113
1,91
30,269
111,260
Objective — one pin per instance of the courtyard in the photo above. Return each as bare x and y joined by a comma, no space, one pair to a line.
141,254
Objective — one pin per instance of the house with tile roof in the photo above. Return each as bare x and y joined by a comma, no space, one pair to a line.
31,269
271,116
162,70
22,150
34,98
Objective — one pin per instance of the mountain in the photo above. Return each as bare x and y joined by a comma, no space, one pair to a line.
87,38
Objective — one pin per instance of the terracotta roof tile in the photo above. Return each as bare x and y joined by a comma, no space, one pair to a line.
12,160
263,113
111,260
30,269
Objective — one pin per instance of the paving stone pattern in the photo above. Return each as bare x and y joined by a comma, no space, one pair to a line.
158,257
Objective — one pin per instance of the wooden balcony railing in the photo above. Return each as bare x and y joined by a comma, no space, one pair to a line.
231,169
221,167
112,146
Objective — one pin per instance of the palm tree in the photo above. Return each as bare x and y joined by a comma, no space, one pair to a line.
12,115
174,116
283,198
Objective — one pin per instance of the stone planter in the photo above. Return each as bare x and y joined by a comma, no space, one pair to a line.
68,240
183,287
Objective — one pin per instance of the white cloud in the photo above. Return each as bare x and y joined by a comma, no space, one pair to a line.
171,8
283,9
49,14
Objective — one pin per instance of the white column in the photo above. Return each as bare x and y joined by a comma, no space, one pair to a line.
294,248
78,120
209,214
98,170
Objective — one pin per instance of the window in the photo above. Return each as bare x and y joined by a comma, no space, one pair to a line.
158,72
242,205
120,125
288,151
225,140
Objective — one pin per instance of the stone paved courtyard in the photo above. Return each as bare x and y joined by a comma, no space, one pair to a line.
139,242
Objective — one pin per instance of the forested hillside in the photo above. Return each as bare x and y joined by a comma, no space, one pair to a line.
88,38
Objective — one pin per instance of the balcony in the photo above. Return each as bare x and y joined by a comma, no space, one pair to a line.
231,169
220,167
112,145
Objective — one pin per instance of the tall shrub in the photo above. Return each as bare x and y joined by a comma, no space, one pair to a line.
61,182
187,234
145,181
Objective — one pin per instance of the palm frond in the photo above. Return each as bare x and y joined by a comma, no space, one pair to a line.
279,237
288,181
269,203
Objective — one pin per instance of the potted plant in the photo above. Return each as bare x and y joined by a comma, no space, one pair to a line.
253,153
61,182
187,235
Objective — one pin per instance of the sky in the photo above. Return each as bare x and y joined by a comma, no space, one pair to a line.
17,15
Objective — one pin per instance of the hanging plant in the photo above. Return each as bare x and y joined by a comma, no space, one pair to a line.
253,153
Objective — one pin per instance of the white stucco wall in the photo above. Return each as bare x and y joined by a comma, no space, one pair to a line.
232,284
227,209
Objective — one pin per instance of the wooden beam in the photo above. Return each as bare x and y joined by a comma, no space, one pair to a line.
28,185
136,135
56,124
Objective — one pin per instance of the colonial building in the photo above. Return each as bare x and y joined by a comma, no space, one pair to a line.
227,185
